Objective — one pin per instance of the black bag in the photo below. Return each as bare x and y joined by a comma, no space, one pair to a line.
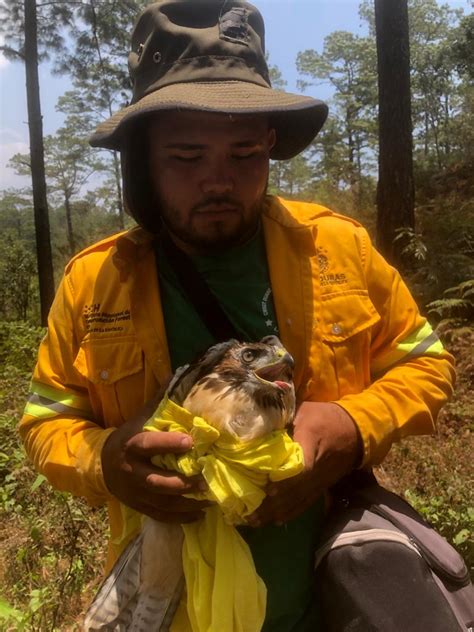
381,567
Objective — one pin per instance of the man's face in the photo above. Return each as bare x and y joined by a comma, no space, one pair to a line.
210,174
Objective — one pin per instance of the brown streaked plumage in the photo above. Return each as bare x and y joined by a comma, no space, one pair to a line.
244,389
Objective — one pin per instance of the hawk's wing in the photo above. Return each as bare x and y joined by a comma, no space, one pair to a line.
119,606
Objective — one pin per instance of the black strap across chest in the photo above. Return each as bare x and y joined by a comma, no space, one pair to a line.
197,291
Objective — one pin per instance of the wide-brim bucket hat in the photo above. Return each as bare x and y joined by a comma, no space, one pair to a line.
208,56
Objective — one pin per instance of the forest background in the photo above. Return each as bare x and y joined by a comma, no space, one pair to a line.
51,546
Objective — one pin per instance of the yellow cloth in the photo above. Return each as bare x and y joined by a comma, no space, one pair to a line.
224,592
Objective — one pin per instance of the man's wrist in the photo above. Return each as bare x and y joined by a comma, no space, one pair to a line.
358,445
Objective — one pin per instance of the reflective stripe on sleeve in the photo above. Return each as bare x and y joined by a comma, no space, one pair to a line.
423,341
45,402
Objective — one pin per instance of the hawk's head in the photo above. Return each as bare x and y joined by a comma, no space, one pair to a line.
244,389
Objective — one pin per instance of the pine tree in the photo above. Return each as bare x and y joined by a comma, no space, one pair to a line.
29,37
395,192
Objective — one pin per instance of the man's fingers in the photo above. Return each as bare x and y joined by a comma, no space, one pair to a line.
148,444
158,481
176,504
182,518
157,513
170,483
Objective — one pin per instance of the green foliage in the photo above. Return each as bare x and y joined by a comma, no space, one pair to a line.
348,64
462,51
18,284
454,522
10,616
413,245
439,254
52,545
276,78
97,65
52,18
294,176
456,305
17,278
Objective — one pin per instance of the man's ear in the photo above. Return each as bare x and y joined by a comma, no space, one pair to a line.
271,138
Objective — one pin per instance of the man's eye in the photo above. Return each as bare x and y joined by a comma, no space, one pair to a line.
248,356
245,156
192,158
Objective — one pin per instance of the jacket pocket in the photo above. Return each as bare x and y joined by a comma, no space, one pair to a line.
345,325
114,369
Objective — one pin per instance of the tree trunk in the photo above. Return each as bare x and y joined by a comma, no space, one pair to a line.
395,191
69,228
118,184
427,131
35,124
447,146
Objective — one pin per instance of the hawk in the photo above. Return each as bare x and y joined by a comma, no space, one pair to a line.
240,388
243,390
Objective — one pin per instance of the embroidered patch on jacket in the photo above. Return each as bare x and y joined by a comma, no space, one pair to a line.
325,277
233,26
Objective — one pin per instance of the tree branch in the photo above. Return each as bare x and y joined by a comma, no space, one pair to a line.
12,52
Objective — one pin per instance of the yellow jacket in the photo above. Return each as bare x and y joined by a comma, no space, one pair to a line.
343,313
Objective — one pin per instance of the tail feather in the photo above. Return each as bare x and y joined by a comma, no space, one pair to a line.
113,606
124,604
154,613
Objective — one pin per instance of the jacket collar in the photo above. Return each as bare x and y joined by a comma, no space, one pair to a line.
293,214
297,219
131,247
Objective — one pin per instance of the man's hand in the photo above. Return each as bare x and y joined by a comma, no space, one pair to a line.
331,448
132,478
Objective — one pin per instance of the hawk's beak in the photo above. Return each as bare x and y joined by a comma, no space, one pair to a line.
279,373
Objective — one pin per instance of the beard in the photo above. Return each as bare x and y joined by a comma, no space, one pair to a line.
214,235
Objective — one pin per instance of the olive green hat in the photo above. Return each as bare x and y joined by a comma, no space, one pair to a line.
208,55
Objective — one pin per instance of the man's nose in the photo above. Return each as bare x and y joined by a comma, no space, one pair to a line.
219,178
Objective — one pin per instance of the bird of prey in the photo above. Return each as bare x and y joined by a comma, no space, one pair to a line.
245,391
240,388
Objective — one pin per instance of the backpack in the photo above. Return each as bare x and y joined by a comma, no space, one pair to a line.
381,568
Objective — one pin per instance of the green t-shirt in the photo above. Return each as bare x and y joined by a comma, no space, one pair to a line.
239,279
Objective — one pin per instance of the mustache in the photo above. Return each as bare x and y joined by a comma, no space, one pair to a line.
217,201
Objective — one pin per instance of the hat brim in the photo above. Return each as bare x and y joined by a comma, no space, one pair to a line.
297,119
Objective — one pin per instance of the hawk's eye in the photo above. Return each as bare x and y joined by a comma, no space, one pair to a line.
248,355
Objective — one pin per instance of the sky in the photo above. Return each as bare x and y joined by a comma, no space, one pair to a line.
291,26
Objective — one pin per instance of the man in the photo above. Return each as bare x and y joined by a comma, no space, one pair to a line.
196,143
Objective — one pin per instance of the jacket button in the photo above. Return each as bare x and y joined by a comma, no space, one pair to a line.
336,329
104,374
